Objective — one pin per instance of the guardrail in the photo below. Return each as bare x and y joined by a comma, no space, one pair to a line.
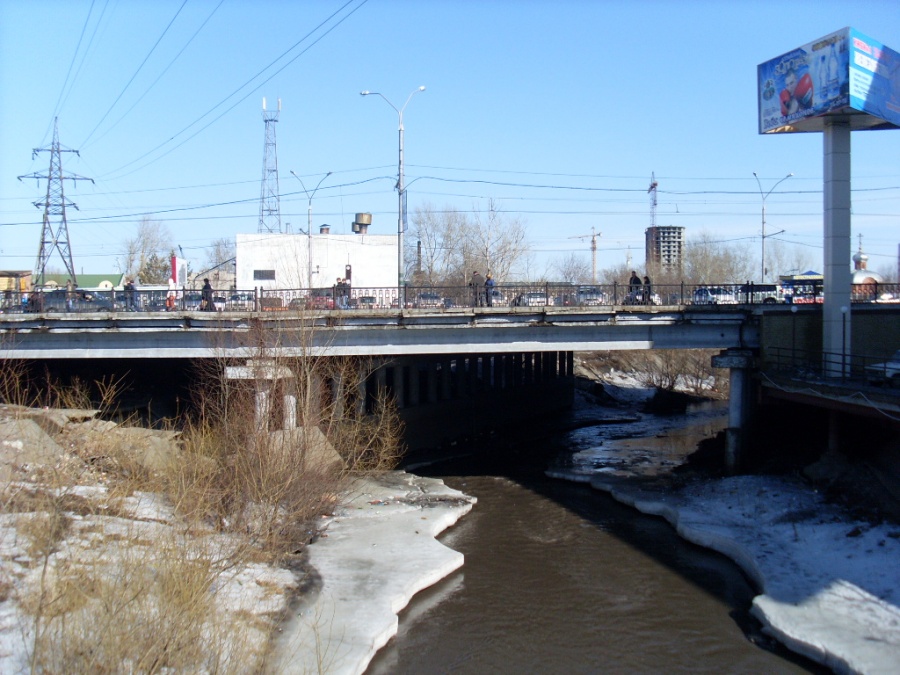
830,366
426,297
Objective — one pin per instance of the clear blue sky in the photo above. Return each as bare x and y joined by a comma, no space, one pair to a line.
557,111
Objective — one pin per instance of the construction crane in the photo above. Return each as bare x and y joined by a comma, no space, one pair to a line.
593,235
652,191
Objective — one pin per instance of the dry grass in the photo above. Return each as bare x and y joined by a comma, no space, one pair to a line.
156,612
147,599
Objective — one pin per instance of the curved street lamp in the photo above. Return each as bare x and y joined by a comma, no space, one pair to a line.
401,190
309,198
763,257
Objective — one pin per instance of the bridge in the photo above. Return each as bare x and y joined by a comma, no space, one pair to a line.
446,364
408,332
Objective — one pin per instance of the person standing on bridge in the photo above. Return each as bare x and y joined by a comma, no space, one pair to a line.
129,294
207,303
489,290
477,287
634,283
648,290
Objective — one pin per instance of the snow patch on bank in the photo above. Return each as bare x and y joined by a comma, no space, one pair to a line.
831,584
378,551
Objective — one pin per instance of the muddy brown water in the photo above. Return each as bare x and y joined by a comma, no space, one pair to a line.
560,578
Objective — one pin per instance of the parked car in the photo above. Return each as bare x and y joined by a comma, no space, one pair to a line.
588,296
497,299
55,301
637,298
241,301
364,302
191,301
424,300
713,295
320,298
885,373
533,299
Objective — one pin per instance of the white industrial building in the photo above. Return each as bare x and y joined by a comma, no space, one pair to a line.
297,261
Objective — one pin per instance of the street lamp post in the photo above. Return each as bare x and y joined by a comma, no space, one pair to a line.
763,261
400,189
309,198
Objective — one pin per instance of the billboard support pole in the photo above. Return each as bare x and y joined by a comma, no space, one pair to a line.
835,329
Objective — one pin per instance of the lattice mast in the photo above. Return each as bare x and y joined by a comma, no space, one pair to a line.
269,201
55,231
652,191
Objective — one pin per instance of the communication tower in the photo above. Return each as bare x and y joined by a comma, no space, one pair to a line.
269,201
55,232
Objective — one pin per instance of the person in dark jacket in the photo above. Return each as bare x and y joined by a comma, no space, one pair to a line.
206,297
477,286
648,290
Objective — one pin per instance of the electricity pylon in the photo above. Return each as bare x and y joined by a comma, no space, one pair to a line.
269,201
55,235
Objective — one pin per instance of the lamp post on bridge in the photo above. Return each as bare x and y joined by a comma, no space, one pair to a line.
401,193
309,198
763,256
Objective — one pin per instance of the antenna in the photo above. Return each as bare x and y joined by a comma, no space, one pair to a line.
269,201
54,204
593,235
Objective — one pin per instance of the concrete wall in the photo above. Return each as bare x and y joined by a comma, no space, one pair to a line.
373,259
873,334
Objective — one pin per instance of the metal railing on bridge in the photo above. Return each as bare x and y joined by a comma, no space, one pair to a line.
830,367
421,297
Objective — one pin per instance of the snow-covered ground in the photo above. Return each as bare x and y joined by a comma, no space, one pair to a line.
830,584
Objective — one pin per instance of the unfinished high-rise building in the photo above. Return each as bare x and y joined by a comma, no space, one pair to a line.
664,246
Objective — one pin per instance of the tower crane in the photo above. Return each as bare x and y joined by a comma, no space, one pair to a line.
652,191
593,236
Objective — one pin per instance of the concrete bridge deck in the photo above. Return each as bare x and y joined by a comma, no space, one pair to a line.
194,334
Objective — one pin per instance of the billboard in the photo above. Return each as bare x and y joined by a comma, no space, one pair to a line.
844,72
874,78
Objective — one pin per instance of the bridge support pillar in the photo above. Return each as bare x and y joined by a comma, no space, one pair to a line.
446,380
264,373
738,362
414,384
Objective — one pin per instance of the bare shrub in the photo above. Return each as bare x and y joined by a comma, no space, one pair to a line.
276,435
669,369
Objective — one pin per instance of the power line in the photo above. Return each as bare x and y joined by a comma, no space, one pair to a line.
135,74
237,91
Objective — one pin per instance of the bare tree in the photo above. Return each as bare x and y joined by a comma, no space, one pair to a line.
146,254
220,251
709,260
452,243
574,269
785,259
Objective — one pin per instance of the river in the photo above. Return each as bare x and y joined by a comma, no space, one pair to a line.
560,578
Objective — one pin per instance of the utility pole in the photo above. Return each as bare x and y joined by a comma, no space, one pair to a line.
54,236
269,202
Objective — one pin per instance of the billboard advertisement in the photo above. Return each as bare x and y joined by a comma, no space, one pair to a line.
804,83
844,72
874,78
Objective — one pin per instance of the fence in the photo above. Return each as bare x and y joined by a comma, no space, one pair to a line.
433,298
